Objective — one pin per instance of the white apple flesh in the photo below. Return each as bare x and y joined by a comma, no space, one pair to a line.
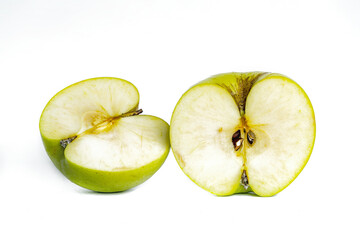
240,132
95,136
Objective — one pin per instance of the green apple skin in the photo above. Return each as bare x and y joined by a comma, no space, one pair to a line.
101,181
230,81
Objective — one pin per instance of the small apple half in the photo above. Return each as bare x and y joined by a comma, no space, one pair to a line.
241,132
93,133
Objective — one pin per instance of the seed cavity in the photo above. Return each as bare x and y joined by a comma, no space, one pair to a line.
66,141
251,137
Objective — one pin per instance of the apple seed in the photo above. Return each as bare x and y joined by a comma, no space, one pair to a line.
251,137
237,140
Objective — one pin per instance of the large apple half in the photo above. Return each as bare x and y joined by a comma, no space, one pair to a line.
240,132
93,133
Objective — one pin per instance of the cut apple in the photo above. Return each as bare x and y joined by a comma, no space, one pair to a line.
95,135
241,132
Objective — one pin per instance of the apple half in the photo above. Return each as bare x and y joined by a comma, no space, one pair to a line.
93,133
241,132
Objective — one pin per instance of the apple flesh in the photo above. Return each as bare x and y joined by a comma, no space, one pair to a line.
94,134
241,132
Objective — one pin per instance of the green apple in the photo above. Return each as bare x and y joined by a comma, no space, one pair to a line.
93,133
241,132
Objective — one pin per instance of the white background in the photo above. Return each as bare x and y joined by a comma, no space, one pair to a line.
164,47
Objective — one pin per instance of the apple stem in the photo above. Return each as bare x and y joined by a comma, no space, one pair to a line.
134,113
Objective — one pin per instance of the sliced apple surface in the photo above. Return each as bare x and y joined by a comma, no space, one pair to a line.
93,133
241,132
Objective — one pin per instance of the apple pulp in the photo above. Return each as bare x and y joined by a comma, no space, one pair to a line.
241,132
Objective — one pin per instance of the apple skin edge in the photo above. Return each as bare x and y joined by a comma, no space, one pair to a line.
229,81
101,181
